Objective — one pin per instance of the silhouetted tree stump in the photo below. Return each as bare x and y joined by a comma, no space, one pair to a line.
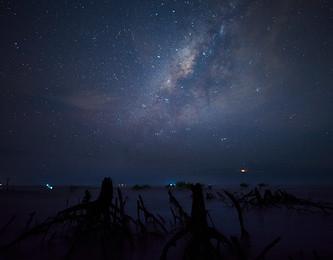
199,245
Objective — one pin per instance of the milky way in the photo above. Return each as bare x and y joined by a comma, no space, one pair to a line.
157,90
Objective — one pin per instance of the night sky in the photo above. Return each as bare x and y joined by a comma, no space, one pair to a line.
159,91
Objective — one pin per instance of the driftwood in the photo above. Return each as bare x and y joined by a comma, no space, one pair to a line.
262,255
244,233
106,219
102,216
200,234
177,210
196,226
149,217
10,221
276,198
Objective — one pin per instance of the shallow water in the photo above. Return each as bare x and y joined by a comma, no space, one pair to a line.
301,233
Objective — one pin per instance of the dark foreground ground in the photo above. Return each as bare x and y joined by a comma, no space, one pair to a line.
304,234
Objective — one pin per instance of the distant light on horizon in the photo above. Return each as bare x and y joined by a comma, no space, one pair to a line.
49,186
243,170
